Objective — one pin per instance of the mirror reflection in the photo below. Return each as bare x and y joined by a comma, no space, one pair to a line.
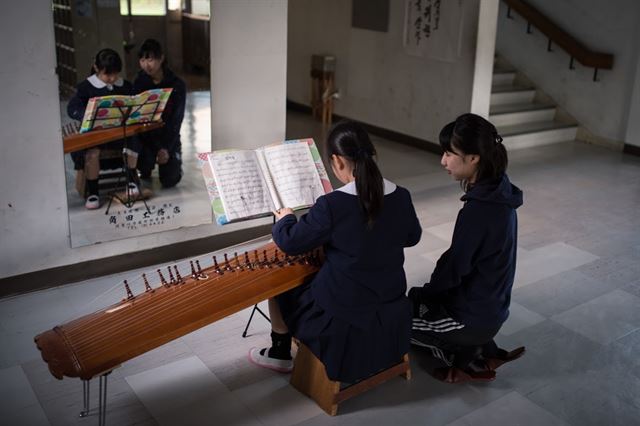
131,180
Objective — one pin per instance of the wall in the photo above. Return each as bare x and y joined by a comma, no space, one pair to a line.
379,83
89,36
632,136
34,229
609,27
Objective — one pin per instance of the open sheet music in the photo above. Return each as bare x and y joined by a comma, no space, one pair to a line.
109,111
244,184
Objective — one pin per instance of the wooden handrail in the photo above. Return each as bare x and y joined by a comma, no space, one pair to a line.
573,47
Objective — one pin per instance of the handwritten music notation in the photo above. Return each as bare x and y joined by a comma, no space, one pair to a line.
294,174
242,187
245,184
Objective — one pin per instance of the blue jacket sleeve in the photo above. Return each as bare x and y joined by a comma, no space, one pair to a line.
415,230
458,261
311,231
170,135
77,104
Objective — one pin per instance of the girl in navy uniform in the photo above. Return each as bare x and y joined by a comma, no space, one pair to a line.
161,146
354,315
457,314
104,80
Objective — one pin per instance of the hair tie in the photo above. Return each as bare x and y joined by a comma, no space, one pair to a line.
361,153
498,138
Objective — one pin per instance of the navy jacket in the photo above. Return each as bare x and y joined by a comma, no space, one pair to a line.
87,90
167,137
363,269
474,277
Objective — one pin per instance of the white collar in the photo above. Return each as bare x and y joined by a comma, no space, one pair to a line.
350,188
99,84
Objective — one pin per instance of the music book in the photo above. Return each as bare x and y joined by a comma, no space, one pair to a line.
245,184
108,111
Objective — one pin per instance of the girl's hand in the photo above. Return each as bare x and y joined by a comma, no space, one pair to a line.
280,213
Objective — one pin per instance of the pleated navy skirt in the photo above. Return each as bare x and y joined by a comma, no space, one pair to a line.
349,353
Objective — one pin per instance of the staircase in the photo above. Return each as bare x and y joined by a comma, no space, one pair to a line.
522,114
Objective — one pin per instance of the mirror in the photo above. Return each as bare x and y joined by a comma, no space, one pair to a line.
181,28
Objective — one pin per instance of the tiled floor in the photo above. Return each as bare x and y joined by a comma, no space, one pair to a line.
576,306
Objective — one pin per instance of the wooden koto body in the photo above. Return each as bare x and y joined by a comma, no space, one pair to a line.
98,342
78,141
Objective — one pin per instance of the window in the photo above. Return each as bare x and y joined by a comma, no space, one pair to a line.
143,7
200,7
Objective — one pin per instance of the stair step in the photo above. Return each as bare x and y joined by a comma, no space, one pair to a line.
527,135
503,78
509,94
510,114
502,88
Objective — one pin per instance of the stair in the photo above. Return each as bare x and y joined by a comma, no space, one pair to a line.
521,116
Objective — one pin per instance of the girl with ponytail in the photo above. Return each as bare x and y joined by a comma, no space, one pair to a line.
458,313
354,315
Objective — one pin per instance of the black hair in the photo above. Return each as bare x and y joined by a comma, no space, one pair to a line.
108,61
348,139
471,134
151,48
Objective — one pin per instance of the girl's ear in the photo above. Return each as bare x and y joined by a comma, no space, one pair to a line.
337,161
474,159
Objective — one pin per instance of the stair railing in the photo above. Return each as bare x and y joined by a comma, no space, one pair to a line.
558,36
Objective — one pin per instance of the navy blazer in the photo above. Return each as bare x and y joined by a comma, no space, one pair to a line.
363,268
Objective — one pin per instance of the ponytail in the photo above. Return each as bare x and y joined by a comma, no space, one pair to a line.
350,140
369,186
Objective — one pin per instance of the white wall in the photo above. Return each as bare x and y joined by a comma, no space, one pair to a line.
609,27
379,83
33,207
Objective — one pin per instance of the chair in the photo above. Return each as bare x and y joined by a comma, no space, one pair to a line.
310,378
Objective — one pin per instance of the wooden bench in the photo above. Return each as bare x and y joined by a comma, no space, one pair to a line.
310,378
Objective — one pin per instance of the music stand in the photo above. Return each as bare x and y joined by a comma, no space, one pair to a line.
128,201
105,112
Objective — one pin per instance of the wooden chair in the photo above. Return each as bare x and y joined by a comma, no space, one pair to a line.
310,378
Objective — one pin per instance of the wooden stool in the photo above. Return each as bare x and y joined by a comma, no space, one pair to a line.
310,378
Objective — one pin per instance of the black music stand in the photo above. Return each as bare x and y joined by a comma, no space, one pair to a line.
125,113
128,201
255,308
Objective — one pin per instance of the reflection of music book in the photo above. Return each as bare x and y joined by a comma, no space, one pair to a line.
245,184
108,111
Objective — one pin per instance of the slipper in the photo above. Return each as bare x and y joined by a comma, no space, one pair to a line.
494,363
261,357
456,375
